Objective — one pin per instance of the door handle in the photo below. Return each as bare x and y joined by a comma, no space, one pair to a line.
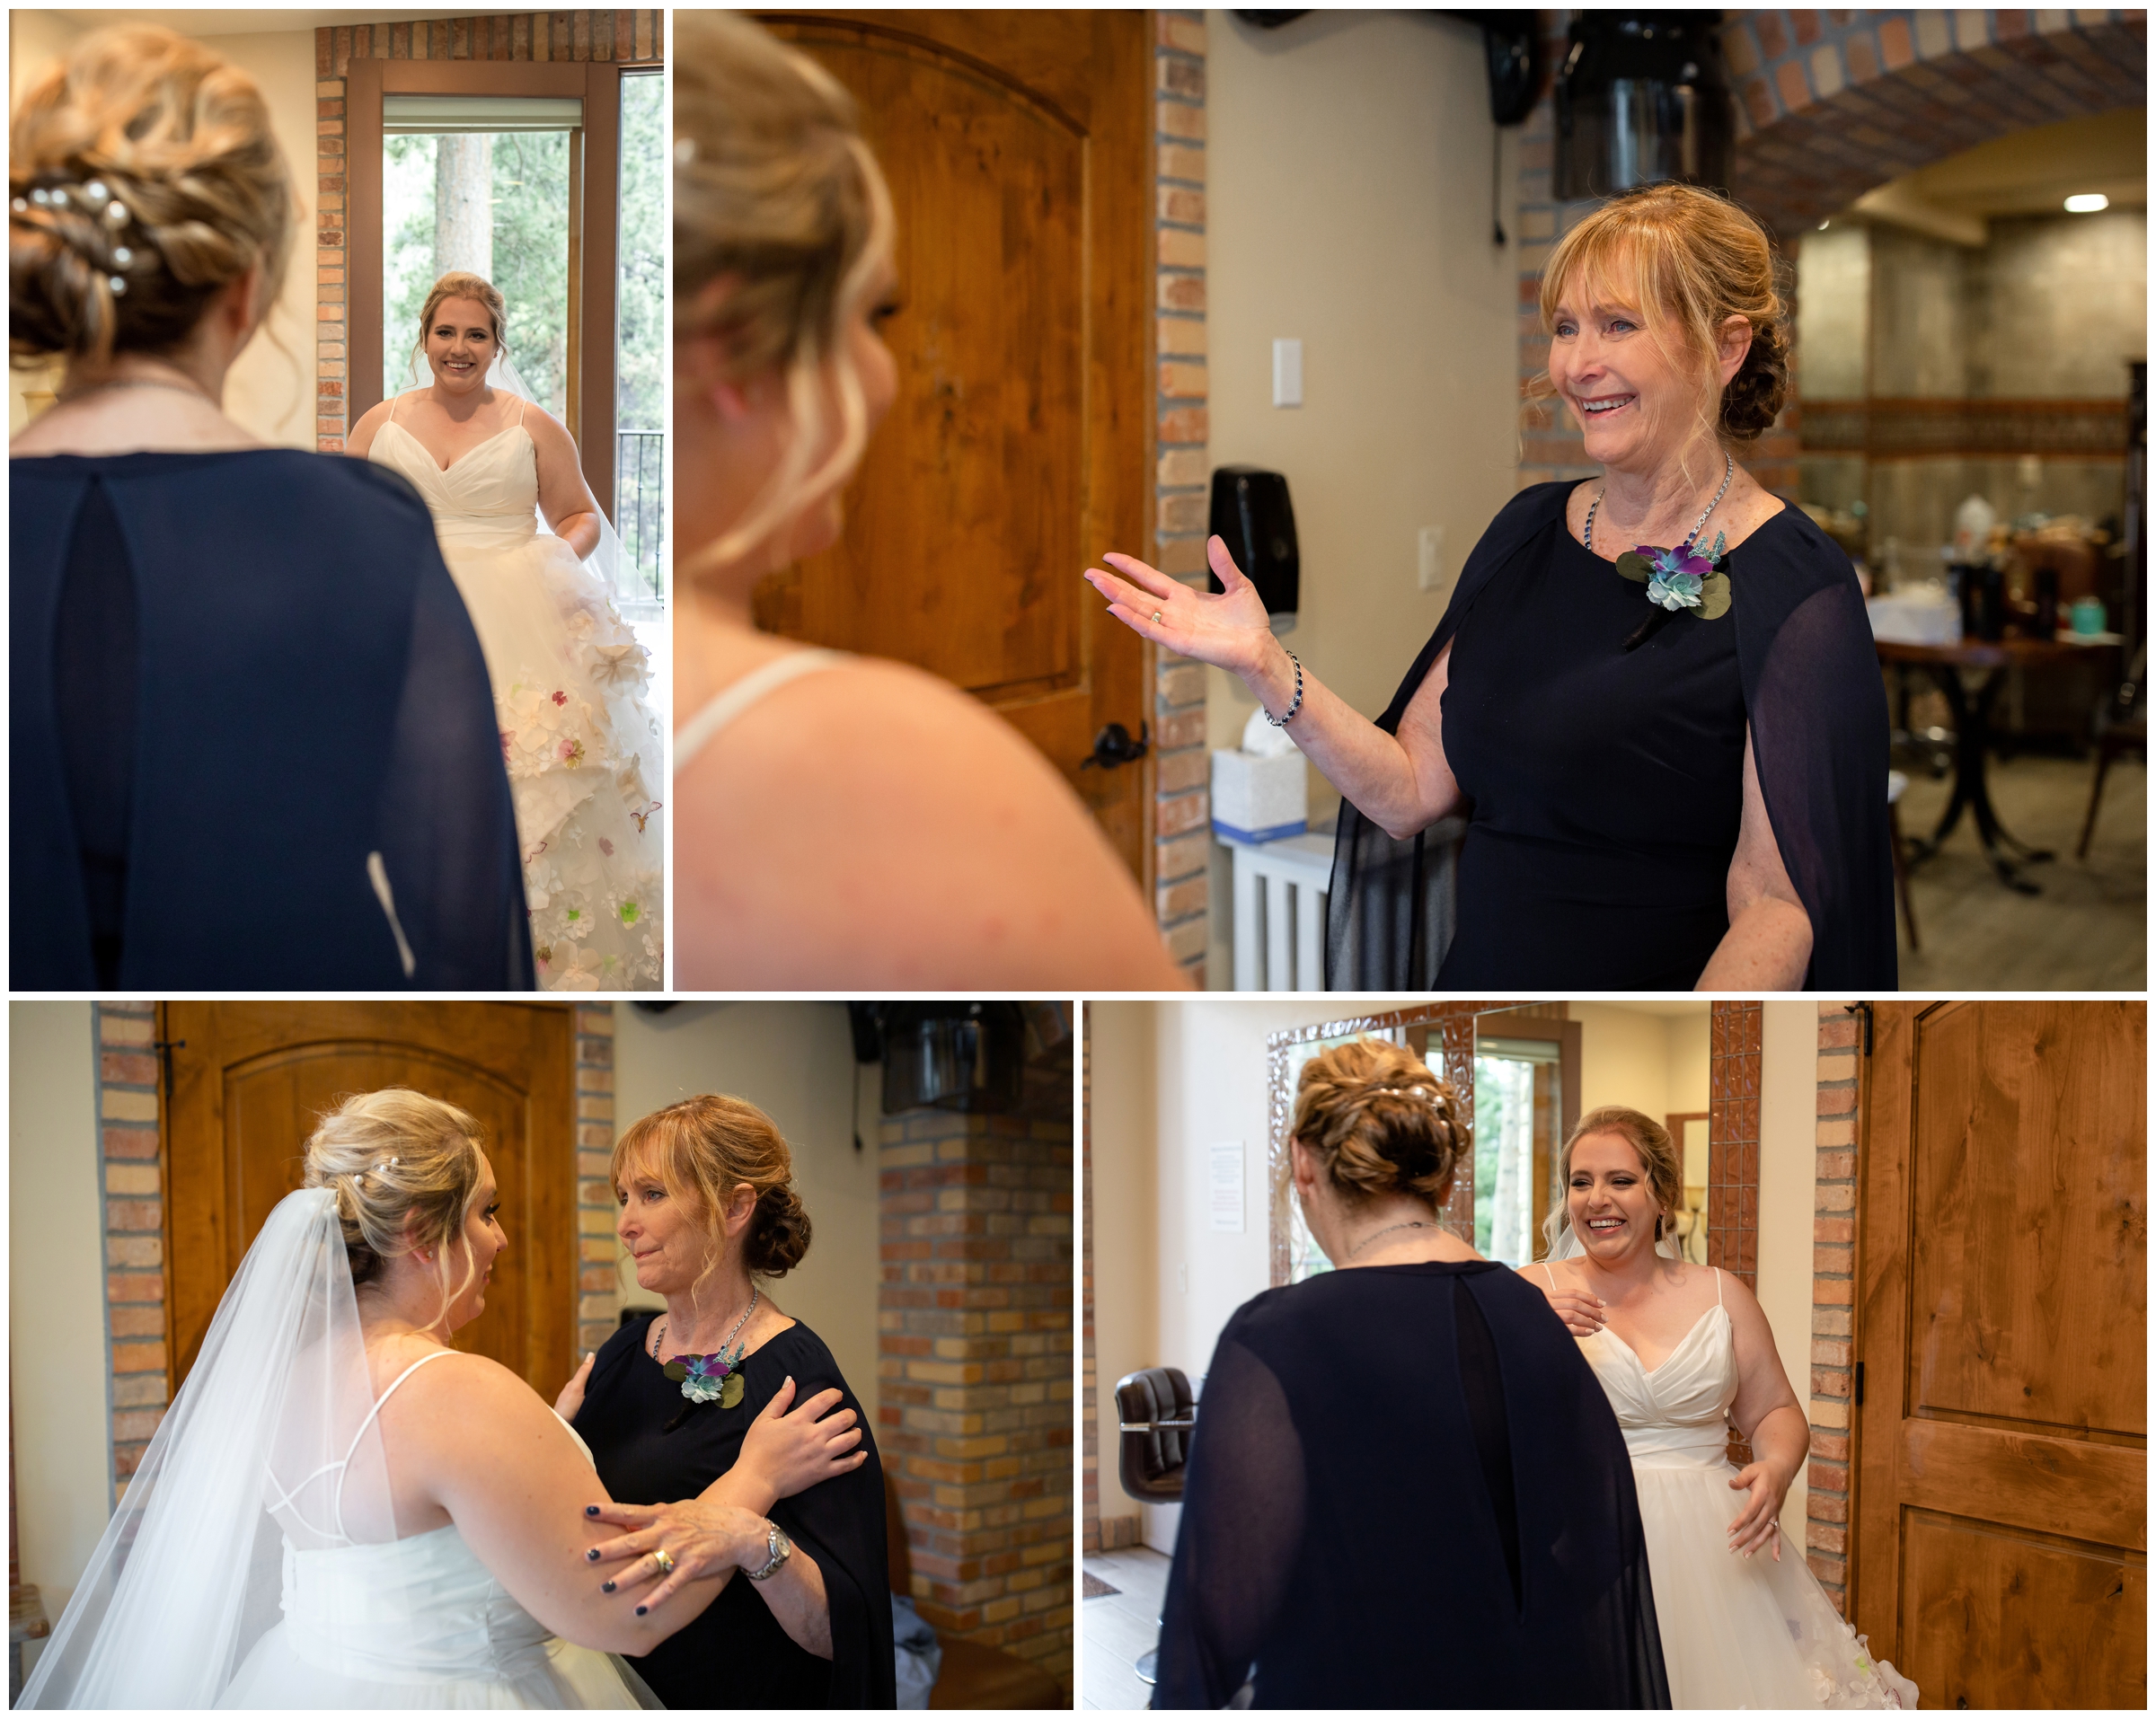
1113,746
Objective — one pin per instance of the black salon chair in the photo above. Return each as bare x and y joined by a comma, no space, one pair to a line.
1155,1414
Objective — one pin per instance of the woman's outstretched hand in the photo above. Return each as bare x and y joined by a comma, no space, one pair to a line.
1231,630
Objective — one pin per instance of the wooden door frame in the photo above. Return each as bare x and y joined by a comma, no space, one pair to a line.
552,1282
595,152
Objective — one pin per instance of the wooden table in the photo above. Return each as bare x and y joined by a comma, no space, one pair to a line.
1973,737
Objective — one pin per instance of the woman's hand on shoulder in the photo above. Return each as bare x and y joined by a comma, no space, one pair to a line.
1580,1308
792,1447
572,1399
915,839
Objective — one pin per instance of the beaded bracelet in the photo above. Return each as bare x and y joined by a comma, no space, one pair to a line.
1294,704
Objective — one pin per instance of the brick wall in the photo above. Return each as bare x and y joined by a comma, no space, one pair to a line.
624,36
1089,1369
1182,813
974,1364
1834,1302
598,1282
1733,1075
133,1177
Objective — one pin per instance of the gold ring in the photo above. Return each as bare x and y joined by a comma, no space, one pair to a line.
1156,617
665,1560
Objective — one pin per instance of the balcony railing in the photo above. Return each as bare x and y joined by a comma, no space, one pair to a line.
640,516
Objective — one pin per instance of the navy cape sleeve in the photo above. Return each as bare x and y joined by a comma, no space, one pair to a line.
1818,708
1390,914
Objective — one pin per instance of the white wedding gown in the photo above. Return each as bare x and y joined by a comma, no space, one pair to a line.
1735,1632
414,1623
582,748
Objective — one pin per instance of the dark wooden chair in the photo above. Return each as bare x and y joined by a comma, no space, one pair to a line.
973,1674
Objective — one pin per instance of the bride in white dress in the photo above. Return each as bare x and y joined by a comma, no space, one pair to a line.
1683,1352
582,748
423,1522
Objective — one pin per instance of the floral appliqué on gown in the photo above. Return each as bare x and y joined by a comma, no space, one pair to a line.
1735,1632
581,747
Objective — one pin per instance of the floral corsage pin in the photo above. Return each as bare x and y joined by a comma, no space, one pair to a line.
1679,580
710,1379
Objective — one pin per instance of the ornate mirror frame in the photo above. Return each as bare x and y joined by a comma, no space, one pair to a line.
1732,1129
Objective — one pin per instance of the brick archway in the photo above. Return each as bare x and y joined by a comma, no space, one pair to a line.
1831,104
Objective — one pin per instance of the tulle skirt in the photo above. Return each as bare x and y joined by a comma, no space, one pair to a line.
273,1676
1741,1632
583,755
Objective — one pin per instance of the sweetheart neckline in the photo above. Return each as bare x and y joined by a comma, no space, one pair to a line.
444,471
1647,1371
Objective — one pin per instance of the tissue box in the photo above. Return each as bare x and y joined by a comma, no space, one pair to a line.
1260,799
1920,617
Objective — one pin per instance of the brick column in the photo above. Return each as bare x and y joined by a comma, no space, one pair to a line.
974,1369
1733,1140
135,1268
1089,1369
1182,811
598,1282
1833,1303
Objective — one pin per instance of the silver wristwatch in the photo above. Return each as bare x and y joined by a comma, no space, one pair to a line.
781,1548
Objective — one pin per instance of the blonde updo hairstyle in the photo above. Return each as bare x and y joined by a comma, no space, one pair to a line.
702,1149
194,193
1660,1162
781,222
461,282
1378,1120
405,1168
1691,259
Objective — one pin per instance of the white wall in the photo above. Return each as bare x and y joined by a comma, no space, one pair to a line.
1788,1168
795,1062
1348,206
269,391
1623,1059
57,1353
1206,1083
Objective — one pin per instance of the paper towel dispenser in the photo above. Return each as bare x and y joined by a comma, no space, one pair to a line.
1251,513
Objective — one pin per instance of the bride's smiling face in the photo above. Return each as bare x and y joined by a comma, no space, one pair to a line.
1609,1200
461,345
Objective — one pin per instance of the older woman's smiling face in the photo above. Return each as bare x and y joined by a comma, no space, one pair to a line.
1633,402
662,1234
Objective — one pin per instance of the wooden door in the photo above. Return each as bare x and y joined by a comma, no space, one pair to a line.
2000,1553
1018,452
248,1081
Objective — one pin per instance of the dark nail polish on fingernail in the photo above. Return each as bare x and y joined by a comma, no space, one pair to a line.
592,1557
591,1509
606,1586
641,1610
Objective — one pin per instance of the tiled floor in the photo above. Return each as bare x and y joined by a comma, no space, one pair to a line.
1119,1627
2088,928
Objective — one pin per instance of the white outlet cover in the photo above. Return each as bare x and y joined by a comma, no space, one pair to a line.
1287,373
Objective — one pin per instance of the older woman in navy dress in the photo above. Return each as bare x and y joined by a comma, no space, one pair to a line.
1653,697
251,740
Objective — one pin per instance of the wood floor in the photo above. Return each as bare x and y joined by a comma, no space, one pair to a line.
2088,931
1119,1627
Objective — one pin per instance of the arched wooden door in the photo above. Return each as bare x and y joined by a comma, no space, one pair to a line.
248,1081
1016,149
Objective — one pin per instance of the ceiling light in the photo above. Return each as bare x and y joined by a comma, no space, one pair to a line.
2087,203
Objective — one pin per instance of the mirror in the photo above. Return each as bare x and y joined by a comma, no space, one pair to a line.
1525,1073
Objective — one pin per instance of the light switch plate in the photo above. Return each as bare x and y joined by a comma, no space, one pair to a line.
1430,558
1287,373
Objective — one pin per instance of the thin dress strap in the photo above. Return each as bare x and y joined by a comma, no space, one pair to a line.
345,1468
1549,1273
697,732
1717,1270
